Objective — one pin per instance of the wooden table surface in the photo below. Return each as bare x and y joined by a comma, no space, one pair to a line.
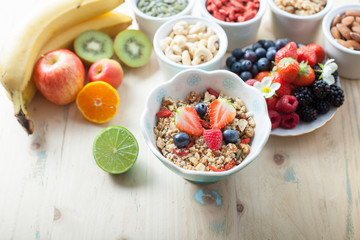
304,187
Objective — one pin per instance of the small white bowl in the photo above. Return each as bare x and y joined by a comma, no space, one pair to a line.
171,68
198,80
347,59
302,29
239,34
149,24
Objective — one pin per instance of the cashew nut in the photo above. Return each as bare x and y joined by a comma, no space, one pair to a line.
179,40
170,54
212,42
202,43
185,58
203,53
176,49
196,28
164,43
196,61
181,28
209,33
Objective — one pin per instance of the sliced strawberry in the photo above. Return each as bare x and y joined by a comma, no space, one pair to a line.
221,112
288,51
213,138
307,55
187,120
319,52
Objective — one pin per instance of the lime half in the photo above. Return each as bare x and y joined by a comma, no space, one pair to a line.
115,149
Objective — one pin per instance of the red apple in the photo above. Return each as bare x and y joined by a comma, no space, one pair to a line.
59,75
107,70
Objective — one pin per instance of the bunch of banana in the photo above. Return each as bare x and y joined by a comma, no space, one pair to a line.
50,30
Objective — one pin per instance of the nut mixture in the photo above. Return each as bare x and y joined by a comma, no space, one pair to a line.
199,156
190,44
301,7
345,29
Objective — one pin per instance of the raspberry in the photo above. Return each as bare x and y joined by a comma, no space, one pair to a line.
271,102
307,113
289,120
275,119
303,95
287,104
251,82
335,96
213,139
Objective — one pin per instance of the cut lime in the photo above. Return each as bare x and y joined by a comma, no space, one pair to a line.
115,149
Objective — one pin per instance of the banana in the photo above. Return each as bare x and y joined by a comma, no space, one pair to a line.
21,52
110,23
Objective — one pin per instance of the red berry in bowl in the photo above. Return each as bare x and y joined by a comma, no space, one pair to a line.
275,119
287,104
271,102
289,120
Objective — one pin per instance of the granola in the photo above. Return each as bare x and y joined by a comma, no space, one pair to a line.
197,155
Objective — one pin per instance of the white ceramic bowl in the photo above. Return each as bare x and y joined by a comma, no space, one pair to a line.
302,29
239,34
171,68
149,24
199,80
347,59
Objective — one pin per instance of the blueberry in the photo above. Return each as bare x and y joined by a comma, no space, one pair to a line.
250,55
268,44
262,42
270,54
246,76
236,67
260,53
254,70
230,61
201,109
280,43
256,46
230,136
181,140
245,65
237,53
263,64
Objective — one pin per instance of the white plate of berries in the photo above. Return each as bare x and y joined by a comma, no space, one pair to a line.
301,88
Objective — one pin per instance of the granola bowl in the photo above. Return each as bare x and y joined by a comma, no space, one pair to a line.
228,85
300,28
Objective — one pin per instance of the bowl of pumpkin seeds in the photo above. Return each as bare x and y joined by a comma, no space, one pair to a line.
151,14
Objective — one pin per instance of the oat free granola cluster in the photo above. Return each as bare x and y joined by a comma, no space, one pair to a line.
197,155
301,7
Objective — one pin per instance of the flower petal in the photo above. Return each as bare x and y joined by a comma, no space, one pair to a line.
275,86
266,82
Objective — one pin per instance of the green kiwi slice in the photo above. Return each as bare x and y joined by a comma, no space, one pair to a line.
93,45
133,48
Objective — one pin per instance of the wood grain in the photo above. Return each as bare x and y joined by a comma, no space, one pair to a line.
304,187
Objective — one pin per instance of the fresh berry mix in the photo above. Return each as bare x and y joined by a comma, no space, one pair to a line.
308,83
206,132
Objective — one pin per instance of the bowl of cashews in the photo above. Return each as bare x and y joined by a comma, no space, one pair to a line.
189,42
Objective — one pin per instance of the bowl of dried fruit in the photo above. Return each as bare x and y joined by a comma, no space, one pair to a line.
298,20
341,28
205,125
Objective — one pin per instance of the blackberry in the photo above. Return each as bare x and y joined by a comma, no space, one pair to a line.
335,96
321,105
303,95
317,70
307,113
336,75
320,89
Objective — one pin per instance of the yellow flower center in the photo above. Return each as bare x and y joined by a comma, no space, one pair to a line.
266,90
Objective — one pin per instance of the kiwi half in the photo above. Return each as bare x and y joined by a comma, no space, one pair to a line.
133,48
93,45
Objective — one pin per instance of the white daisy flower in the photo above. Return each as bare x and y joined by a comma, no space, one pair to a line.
267,87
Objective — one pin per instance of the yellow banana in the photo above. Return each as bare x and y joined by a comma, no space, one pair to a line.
110,23
20,54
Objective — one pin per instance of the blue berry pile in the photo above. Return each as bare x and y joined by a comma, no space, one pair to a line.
256,58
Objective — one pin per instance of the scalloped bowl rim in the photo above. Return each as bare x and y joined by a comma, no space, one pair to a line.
253,153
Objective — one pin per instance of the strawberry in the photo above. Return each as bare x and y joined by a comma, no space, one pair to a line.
306,54
221,112
261,75
285,88
213,139
251,82
271,102
306,75
187,120
319,52
288,51
163,113
288,68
